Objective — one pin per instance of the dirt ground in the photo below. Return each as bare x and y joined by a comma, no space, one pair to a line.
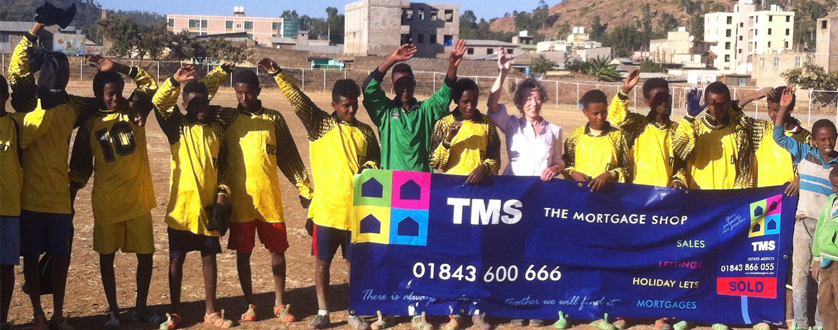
86,304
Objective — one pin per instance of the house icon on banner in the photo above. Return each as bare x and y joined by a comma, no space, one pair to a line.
391,207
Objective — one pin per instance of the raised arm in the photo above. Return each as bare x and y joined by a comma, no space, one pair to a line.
758,95
437,105
618,109
375,100
797,150
289,161
504,65
21,79
313,118
81,159
217,76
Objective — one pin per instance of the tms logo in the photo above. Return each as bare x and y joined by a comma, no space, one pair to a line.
483,213
765,217
764,246
391,207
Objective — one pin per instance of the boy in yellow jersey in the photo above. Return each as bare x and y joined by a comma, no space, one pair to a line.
466,142
114,146
649,136
774,164
719,148
259,141
197,192
340,147
46,219
17,130
597,152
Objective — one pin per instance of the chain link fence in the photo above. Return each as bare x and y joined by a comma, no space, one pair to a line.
811,104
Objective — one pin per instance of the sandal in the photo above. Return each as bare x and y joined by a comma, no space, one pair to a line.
113,322
283,314
381,323
561,323
683,325
762,326
663,324
719,326
146,316
171,323
250,315
453,323
479,321
419,322
220,321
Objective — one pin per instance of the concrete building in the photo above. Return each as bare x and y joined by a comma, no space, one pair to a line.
377,27
12,32
261,29
577,40
677,49
771,31
525,42
767,67
741,11
720,33
479,49
592,53
826,49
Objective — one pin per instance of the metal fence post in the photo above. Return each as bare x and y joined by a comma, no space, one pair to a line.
810,108
304,79
577,91
324,80
433,77
81,70
557,93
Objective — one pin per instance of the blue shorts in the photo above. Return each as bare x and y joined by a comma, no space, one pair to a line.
183,241
9,240
326,241
45,232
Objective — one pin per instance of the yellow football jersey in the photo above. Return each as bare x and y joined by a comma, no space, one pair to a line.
593,154
17,131
713,164
114,147
338,150
476,143
774,164
196,158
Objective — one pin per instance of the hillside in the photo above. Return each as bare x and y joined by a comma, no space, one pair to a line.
612,12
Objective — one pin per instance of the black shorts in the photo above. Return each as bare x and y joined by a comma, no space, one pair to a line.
326,241
183,241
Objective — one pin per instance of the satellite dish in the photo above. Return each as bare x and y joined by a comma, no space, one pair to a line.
692,38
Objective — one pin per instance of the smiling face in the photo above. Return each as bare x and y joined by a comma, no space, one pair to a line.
597,114
531,107
825,140
247,95
659,101
346,108
468,104
112,95
404,84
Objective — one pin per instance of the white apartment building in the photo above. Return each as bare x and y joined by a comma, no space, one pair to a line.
720,33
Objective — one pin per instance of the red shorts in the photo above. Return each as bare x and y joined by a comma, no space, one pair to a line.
272,236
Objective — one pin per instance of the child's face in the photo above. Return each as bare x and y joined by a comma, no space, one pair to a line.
833,179
346,108
112,96
404,84
197,106
825,140
468,104
247,95
659,101
597,114
717,105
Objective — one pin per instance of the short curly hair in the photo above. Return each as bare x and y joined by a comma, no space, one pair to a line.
520,98
4,89
346,88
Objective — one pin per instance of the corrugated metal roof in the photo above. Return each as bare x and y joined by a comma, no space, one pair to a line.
494,43
15,26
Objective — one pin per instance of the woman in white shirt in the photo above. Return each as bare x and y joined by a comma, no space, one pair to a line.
533,145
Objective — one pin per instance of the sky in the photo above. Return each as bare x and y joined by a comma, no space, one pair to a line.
317,8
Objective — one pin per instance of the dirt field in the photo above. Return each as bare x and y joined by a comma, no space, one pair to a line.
86,303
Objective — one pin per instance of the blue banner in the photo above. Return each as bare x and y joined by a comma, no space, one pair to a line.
519,247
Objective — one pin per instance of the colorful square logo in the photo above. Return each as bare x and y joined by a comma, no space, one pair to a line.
765,216
391,207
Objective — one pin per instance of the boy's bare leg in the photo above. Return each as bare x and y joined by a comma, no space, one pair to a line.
278,267
175,281
321,282
7,288
109,280
210,270
61,265
145,263
32,276
243,268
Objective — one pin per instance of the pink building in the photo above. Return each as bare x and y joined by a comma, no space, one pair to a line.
261,29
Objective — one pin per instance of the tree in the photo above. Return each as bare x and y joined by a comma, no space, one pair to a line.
597,30
650,66
811,76
123,32
667,23
335,22
541,65
223,50
562,30
289,14
183,46
523,21
624,40
540,16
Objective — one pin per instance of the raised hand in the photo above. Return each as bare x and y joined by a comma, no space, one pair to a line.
228,66
631,81
403,53
268,65
504,60
457,52
788,98
765,92
694,103
185,73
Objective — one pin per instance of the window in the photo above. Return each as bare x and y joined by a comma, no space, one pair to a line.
728,33
727,58
229,25
4,38
776,61
238,25
823,24
797,61
761,62
195,33
420,14
509,50
770,18
407,15
204,24
449,15
434,14
248,25
250,36
769,45
172,22
490,51
420,38
786,45
741,24
736,9
470,51
433,39
406,38
788,31
769,31
448,40
740,50
729,20
740,38
203,33
727,45
788,19
277,28
194,23
756,32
